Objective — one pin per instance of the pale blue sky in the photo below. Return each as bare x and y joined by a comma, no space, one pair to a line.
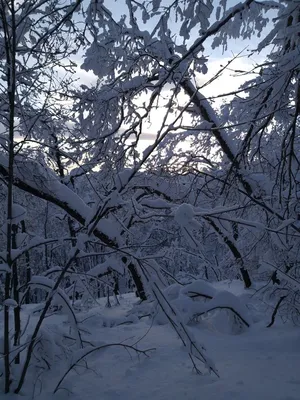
225,84
216,56
119,8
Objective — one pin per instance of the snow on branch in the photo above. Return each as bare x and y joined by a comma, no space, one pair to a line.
61,298
85,352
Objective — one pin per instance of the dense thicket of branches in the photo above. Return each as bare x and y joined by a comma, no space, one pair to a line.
214,196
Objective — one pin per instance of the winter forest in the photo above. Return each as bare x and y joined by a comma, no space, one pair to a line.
149,197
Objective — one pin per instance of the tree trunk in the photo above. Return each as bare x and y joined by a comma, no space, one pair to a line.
15,283
28,269
137,280
9,27
234,250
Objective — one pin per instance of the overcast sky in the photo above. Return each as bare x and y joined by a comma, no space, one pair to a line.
229,80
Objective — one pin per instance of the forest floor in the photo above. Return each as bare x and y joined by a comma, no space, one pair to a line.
258,364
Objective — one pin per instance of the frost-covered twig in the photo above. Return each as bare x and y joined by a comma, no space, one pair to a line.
88,350
275,311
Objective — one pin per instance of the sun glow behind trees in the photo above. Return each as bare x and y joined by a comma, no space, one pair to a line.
238,54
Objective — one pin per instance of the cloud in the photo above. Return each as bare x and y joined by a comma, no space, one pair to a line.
230,80
227,82
85,77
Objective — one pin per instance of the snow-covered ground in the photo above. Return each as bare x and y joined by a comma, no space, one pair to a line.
258,364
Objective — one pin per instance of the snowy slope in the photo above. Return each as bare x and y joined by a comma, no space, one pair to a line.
258,364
